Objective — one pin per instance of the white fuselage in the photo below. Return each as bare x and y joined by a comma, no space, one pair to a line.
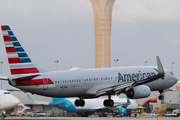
92,105
97,103
7,100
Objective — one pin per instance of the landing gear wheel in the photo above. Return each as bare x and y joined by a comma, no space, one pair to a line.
106,103
111,103
161,97
77,102
82,103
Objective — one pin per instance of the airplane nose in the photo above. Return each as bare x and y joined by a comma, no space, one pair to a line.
15,101
170,82
176,79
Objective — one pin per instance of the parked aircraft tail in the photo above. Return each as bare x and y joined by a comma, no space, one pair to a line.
19,61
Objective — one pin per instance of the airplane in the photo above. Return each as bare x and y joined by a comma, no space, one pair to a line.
7,100
136,82
121,105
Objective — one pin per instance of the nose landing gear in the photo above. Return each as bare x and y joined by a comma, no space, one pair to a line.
161,97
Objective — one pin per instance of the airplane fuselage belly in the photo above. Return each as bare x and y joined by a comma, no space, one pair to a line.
78,83
156,85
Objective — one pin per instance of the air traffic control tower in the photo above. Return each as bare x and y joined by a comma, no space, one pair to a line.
102,25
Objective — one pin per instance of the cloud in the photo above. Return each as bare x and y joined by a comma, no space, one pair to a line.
173,41
146,10
57,9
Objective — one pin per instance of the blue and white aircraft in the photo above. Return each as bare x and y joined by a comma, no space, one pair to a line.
121,106
136,82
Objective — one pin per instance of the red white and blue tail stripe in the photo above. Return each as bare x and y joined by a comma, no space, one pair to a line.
19,61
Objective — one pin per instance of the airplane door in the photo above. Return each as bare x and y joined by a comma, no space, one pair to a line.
45,85
111,79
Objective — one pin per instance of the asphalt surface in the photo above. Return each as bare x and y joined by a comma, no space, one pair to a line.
94,118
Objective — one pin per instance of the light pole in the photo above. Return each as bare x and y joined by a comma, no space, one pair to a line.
56,61
116,60
1,73
145,62
172,66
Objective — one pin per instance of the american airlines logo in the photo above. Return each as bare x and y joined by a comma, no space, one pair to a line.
134,76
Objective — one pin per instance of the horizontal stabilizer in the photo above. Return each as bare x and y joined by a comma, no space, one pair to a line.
24,77
4,78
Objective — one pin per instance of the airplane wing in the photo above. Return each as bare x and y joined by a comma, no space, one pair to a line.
58,104
37,102
46,103
117,89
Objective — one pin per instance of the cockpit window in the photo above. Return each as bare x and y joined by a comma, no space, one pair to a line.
6,93
171,73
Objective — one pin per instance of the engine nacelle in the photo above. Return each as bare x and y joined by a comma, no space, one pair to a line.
121,111
141,91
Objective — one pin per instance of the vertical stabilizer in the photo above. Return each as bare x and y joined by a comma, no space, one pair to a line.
19,62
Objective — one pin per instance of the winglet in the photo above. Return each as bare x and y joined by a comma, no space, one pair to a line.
160,67
128,101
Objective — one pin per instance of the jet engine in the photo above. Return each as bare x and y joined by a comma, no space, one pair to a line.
121,111
141,91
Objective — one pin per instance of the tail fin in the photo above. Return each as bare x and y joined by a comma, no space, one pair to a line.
128,101
19,61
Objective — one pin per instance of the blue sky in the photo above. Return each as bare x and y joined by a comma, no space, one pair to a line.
64,30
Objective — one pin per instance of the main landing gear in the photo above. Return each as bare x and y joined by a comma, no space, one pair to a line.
108,102
161,97
79,102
